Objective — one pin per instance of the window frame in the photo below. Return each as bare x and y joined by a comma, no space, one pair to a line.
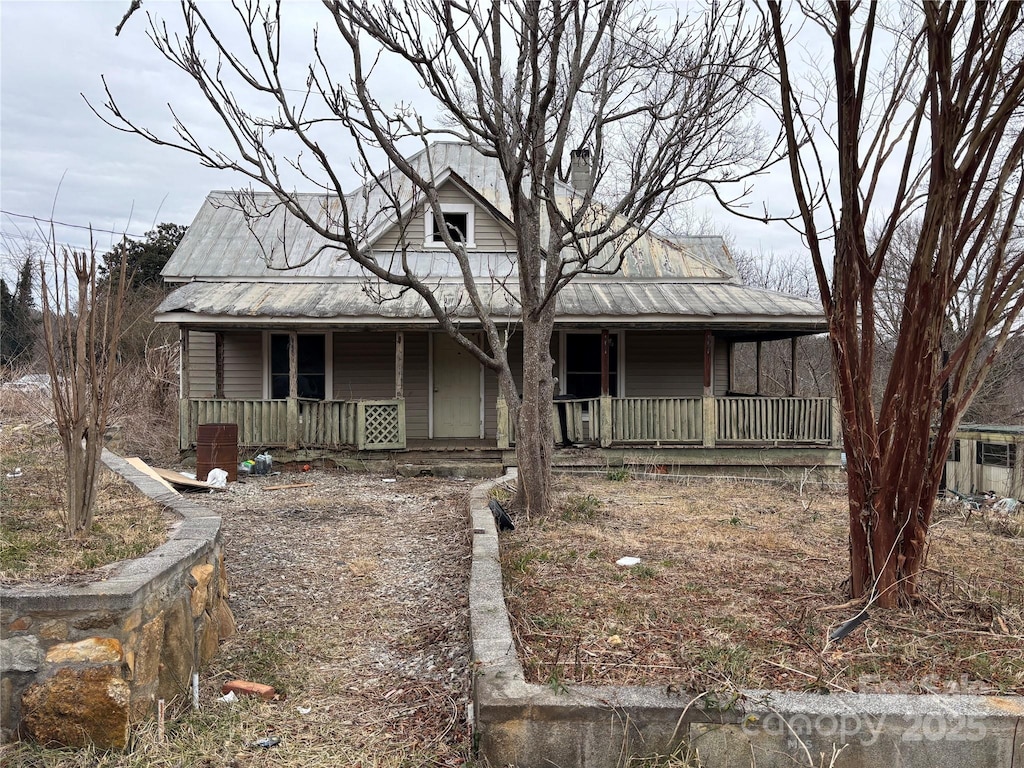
268,370
620,357
430,240
985,449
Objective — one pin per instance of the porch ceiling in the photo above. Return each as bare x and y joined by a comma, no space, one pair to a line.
606,303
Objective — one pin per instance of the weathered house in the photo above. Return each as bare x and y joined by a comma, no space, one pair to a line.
321,358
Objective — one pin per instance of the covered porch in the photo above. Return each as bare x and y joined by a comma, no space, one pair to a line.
394,385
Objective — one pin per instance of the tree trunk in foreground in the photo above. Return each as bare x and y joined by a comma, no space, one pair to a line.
925,135
535,440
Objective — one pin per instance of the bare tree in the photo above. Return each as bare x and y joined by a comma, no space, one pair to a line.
921,112
767,367
998,394
655,106
81,332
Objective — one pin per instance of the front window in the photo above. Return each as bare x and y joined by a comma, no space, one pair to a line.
457,219
311,366
583,365
457,225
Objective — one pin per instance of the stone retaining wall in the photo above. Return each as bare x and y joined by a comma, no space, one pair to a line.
81,662
525,725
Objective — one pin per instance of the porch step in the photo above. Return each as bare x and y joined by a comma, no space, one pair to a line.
474,469
449,456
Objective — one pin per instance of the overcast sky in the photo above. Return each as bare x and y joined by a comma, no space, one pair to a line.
57,158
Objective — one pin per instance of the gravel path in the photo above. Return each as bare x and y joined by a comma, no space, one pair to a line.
351,599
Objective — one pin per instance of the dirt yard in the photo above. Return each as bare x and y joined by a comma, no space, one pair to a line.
741,585
350,598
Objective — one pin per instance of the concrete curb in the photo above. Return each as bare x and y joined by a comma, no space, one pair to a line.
529,725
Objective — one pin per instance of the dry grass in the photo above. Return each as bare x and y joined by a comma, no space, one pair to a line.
351,600
740,585
33,544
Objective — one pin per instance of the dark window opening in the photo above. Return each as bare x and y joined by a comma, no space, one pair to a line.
312,358
997,454
583,365
457,224
954,452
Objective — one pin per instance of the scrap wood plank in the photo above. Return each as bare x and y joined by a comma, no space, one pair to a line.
285,487
179,479
143,467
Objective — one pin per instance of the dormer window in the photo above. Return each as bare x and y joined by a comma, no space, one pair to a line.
456,218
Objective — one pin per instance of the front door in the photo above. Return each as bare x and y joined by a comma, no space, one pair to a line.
456,381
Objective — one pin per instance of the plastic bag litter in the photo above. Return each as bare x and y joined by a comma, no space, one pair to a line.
1009,505
628,562
229,698
217,478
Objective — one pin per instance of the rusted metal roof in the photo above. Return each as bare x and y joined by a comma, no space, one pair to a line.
236,264
266,240
662,303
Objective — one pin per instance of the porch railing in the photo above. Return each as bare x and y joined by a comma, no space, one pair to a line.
360,424
774,419
703,421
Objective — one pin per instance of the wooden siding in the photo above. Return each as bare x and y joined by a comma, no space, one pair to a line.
202,354
664,364
489,233
364,365
243,366
720,377
416,382
515,361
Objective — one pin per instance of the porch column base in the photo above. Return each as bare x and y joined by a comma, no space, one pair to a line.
293,424
606,421
501,407
708,421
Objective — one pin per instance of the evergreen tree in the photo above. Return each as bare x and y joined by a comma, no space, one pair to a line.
145,258
17,318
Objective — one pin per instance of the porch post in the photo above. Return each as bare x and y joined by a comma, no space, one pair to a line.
708,401
792,366
218,345
605,416
184,384
757,370
399,364
709,358
293,390
184,391
605,365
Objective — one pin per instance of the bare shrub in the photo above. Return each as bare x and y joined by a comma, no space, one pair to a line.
81,333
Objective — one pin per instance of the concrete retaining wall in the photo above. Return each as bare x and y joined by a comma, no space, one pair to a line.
80,662
533,726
